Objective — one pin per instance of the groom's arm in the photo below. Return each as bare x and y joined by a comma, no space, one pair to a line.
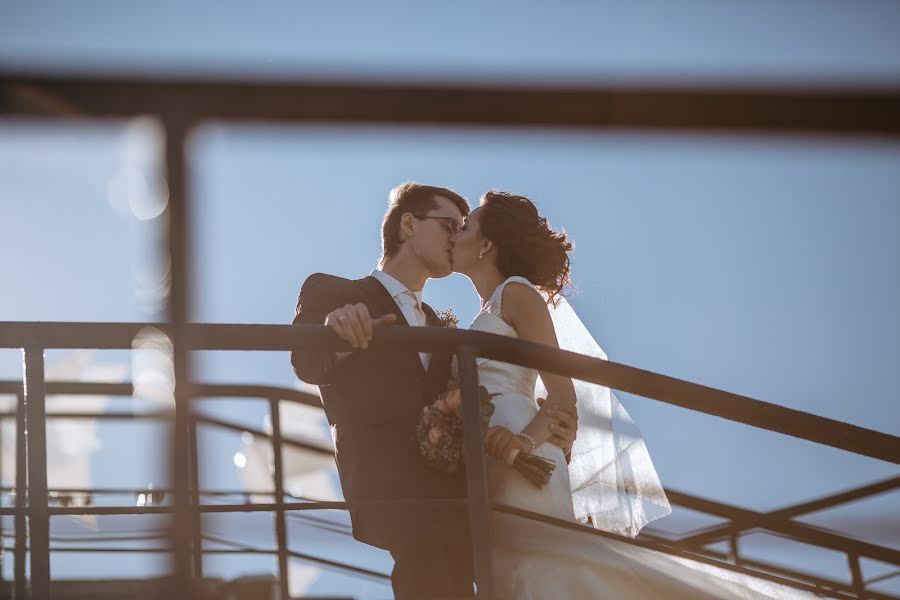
318,297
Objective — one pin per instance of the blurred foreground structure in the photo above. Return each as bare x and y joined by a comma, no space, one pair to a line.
179,106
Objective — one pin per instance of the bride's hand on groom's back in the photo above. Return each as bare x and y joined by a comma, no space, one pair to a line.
353,324
565,430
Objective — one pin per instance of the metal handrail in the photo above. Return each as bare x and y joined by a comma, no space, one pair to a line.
696,397
269,337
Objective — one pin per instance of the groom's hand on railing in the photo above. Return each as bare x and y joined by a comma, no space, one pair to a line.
565,430
353,324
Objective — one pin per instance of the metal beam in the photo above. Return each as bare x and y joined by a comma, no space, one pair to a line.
728,106
178,304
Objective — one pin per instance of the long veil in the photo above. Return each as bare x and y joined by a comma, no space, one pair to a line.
614,484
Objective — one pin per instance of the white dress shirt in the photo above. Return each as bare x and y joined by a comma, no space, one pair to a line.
409,303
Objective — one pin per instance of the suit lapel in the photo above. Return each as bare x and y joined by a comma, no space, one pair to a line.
439,366
431,318
379,297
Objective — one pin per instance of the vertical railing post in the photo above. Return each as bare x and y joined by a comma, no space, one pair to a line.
278,476
21,490
178,317
2,545
857,582
476,474
734,550
38,509
195,499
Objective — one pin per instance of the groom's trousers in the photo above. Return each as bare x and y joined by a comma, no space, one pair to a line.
437,567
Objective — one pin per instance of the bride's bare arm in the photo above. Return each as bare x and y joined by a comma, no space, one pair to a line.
526,311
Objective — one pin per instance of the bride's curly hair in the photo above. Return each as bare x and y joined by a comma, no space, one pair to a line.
526,244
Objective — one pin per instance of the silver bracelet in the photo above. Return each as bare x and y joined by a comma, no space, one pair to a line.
530,439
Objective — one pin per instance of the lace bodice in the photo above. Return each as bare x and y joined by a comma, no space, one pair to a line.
498,377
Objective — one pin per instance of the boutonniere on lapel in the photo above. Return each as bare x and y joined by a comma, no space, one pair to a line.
446,318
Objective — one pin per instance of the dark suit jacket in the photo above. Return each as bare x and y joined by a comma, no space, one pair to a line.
373,401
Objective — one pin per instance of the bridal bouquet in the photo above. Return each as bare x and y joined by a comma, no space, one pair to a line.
440,434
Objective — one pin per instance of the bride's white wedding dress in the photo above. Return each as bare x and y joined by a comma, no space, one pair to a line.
534,560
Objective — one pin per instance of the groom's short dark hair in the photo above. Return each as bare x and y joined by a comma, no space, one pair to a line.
416,198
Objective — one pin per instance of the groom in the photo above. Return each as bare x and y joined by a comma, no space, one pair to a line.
373,400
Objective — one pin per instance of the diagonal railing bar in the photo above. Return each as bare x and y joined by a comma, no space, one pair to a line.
309,558
262,392
757,564
883,577
800,531
866,491
292,442
676,497
729,107
226,390
288,394
269,507
822,583
780,570
653,545
718,532
230,390
662,544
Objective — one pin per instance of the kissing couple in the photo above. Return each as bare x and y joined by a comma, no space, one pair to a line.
603,475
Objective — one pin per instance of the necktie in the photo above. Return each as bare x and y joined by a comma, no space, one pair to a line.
412,310
409,301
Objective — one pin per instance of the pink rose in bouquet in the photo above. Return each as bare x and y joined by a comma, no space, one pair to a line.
440,436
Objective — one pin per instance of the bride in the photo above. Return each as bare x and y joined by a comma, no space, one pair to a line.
520,266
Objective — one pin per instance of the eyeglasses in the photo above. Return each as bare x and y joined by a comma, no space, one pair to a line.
450,223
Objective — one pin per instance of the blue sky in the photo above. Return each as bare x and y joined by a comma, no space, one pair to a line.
762,265
801,40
